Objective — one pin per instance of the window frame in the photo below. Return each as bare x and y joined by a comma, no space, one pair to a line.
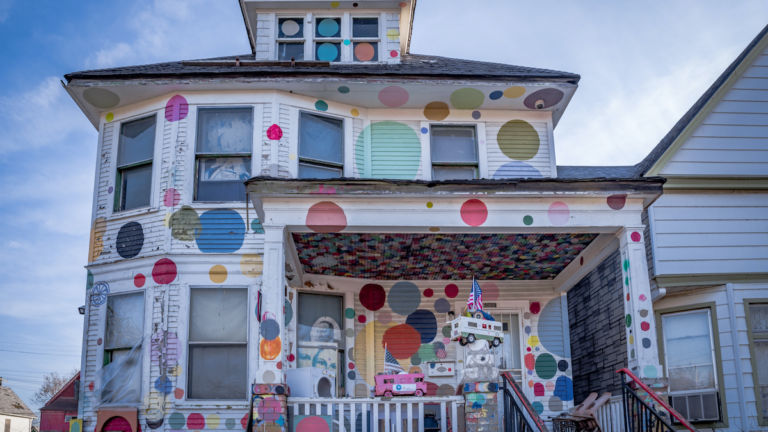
759,402
342,369
196,157
118,196
378,39
106,354
288,40
715,340
189,343
319,163
316,40
432,163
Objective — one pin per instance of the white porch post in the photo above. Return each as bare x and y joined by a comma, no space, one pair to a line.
272,327
639,320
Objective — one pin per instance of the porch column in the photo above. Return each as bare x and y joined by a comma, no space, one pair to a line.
639,321
272,326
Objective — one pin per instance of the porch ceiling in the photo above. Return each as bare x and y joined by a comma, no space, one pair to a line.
439,256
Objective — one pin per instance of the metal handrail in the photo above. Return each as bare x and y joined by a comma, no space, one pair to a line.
638,413
519,415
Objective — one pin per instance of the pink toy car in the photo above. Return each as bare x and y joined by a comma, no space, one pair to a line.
400,384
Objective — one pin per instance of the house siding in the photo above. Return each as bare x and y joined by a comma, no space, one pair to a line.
598,341
18,424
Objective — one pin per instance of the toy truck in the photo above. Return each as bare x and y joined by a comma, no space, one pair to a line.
469,329
400,385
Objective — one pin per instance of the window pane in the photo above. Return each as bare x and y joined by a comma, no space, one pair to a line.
453,144
125,320
758,321
328,27
318,172
287,51
453,173
222,179
137,141
136,186
321,138
218,315
121,378
224,130
366,51
319,318
217,372
688,350
365,27
290,28
327,51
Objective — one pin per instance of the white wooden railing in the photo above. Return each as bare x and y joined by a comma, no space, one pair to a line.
611,415
398,414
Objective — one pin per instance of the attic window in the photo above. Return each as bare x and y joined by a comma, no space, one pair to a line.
290,38
365,39
328,39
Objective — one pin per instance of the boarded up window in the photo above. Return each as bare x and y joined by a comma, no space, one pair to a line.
224,146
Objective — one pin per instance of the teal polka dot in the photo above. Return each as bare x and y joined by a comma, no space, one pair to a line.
321,105
528,219
349,313
396,151
328,28
327,52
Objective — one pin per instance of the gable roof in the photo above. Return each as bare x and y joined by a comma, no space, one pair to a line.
59,402
698,108
411,65
11,404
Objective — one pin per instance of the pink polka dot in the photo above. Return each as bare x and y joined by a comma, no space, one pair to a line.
428,292
361,319
474,212
538,389
195,421
393,53
138,280
312,424
164,271
271,409
176,109
642,297
274,132
326,217
351,365
616,202
451,290
635,236
393,96
291,357
559,213
172,197
645,326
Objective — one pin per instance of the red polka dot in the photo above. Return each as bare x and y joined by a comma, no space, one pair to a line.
535,307
326,217
616,202
393,53
312,424
642,297
274,132
474,212
98,341
361,319
351,365
178,393
195,421
627,296
428,292
538,389
90,386
530,361
138,280
528,349
402,341
279,365
451,290
291,357
372,296
164,271
635,236
244,421
645,326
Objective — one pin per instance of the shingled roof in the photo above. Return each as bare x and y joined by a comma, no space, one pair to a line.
411,66
12,405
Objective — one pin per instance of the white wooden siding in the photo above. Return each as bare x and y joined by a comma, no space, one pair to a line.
265,36
710,233
732,392
733,139
496,159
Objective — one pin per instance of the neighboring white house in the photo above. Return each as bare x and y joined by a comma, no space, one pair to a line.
15,416
710,248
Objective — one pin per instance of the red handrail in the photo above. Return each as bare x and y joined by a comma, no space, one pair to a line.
533,414
652,394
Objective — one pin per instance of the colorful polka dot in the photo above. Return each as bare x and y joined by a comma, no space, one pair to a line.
514,92
343,89
535,308
646,343
110,116
495,95
364,51
517,139
436,111
176,108
321,105
558,213
402,341
429,204
528,219
139,280
645,326
424,130
425,323
542,99
474,212
355,112
171,197
393,96
428,292
451,290
195,421
394,53
617,201
372,296
546,367
476,115
270,349
349,313
274,132
467,98
269,329
361,319
404,298
164,271
393,34
130,240
218,274
326,217
635,236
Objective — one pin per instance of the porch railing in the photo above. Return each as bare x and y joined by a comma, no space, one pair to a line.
398,414
519,415
641,417
610,416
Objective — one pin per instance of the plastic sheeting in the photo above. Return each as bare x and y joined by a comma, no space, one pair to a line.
120,380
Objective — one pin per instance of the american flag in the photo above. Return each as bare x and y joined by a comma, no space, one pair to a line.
475,300
391,364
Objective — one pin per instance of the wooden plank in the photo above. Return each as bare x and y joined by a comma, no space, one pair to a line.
715,169
741,107
746,95
710,239
688,226
751,83
727,143
732,131
753,119
704,212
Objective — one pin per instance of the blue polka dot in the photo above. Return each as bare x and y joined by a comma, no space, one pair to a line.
424,130
564,388
496,95
222,231
327,52
425,323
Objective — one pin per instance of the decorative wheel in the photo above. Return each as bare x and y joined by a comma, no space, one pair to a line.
471,338
462,341
387,394
419,393
99,293
496,342
479,315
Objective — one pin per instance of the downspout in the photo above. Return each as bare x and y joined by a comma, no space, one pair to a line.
736,359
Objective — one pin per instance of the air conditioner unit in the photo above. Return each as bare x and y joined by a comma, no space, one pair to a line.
697,407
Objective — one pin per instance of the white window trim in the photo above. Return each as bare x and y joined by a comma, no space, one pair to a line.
712,352
427,156
379,39
278,40
347,149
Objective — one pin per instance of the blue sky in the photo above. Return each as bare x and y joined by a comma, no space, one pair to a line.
642,65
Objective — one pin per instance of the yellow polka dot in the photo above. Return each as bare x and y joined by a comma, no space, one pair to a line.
110,116
514,92
429,204
218,273
393,34
175,371
631,339
354,112
335,4
251,265
167,219
212,421
434,229
533,341
292,156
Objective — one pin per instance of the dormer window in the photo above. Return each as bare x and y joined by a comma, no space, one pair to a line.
328,39
290,39
365,39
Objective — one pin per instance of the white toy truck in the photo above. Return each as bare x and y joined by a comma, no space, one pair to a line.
469,329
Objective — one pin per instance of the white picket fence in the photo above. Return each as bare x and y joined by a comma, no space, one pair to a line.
399,414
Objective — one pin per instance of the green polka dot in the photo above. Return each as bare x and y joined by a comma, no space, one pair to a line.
467,98
415,360
447,331
527,219
626,265
517,139
546,366
349,313
110,116
427,353
176,420
626,281
628,320
321,105
395,151
343,89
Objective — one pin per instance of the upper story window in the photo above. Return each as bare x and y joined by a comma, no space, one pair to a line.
454,152
223,155
123,337
321,146
365,39
290,38
328,39
758,344
218,343
135,150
